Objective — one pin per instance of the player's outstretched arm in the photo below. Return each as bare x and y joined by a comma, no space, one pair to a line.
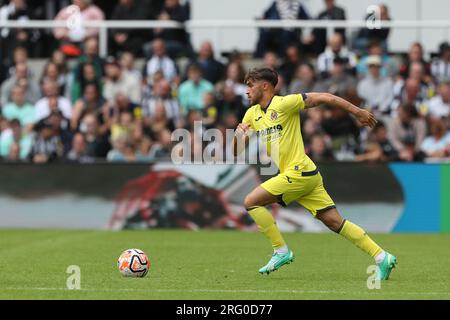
314,99
241,138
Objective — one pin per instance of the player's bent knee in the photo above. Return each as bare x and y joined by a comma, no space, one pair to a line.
248,202
331,219
335,225
251,202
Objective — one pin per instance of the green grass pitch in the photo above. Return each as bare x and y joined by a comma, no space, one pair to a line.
216,265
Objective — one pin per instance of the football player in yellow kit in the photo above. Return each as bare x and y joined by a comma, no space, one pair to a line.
276,120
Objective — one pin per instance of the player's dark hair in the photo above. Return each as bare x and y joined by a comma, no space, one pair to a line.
262,74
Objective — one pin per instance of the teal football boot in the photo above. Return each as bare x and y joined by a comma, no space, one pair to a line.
385,267
277,261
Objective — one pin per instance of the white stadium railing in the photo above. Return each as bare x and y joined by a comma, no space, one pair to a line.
217,25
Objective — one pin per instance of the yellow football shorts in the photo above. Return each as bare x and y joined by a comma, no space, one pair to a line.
304,187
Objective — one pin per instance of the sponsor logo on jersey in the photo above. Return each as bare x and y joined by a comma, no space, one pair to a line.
270,130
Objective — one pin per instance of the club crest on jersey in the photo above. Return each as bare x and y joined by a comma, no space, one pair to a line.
274,116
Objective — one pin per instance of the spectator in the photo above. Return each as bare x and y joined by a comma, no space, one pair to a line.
51,73
52,101
46,146
191,92
320,149
235,75
122,103
91,102
86,76
162,95
339,82
142,143
235,56
212,70
4,124
128,39
270,60
23,79
292,61
412,92
120,81
278,40
216,150
437,145
81,11
378,147
160,62
11,38
309,129
367,35
415,54
440,67
417,71
376,90
97,141
407,132
439,106
229,121
311,124
122,125
339,125
81,75
304,80
19,109
61,129
15,135
211,111
229,102
78,152
127,62
20,56
123,150
159,121
91,55
162,149
150,8
59,58
319,35
388,65
14,153
177,40
335,49
191,117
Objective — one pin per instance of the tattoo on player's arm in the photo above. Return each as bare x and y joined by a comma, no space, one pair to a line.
307,100
311,100
314,99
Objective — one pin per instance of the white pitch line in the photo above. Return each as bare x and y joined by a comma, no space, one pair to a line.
371,292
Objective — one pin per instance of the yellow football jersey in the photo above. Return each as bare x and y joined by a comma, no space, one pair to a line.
279,127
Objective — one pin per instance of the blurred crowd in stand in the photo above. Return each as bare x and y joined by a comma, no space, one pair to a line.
86,108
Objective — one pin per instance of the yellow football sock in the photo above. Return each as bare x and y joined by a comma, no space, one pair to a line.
267,225
359,237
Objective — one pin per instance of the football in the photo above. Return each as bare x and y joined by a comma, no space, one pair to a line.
133,263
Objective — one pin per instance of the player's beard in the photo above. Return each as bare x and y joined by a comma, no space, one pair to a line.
255,98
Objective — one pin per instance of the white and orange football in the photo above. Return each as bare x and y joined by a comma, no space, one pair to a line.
133,263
